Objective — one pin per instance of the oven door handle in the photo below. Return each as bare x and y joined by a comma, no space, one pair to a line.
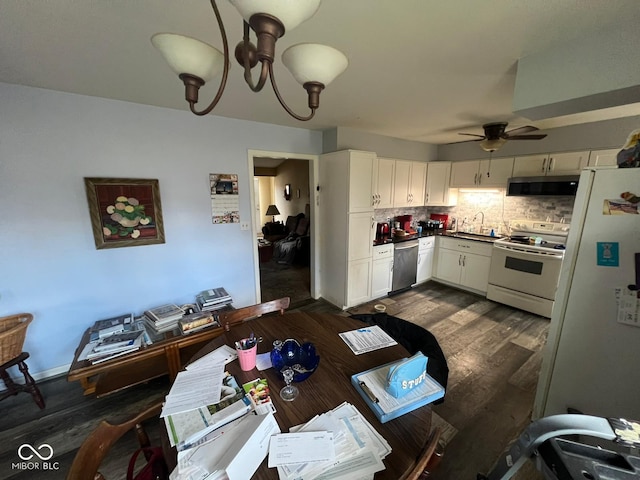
550,256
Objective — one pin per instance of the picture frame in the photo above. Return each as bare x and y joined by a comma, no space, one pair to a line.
125,212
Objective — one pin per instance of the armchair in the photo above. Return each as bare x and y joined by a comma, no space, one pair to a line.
294,248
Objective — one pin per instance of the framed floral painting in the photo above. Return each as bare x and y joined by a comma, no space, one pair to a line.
125,212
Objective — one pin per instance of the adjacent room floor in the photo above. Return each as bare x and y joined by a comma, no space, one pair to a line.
493,352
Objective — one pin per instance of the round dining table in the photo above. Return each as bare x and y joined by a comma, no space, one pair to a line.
330,385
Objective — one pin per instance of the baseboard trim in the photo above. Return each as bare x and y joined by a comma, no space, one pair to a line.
43,375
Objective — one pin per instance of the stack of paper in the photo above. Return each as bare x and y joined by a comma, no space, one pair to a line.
345,446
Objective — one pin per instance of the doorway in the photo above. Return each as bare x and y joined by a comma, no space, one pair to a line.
285,241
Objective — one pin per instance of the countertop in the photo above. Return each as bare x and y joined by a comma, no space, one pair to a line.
461,235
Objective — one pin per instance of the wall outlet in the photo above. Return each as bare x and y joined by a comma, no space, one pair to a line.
244,225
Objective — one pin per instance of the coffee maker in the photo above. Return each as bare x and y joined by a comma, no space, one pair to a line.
405,222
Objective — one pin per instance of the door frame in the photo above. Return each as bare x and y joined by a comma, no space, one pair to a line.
314,211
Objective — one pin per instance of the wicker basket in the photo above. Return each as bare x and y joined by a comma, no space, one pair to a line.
13,330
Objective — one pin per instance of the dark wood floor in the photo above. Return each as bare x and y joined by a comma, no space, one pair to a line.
493,352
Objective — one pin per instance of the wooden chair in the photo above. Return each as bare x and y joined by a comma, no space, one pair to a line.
13,330
96,446
428,459
233,317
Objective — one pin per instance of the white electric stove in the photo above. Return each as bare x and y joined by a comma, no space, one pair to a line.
525,267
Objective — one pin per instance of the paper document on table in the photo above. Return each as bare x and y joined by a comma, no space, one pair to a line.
288,448
367,339
223,354
194,388
376,381
359,449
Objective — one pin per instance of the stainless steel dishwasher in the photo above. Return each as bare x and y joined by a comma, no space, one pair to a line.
405,264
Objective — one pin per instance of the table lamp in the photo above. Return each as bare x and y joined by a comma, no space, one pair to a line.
273,211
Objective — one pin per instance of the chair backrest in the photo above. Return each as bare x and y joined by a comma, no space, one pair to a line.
96,446
428,459
232,317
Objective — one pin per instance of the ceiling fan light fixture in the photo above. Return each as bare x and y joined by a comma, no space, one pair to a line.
312,65
493,144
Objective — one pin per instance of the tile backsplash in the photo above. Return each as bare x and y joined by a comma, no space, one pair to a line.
498,210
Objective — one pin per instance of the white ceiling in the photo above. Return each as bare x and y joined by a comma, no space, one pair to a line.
419,69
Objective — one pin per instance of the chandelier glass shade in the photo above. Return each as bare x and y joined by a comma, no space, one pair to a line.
314,66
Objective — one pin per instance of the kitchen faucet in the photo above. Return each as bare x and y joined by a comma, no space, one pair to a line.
475,217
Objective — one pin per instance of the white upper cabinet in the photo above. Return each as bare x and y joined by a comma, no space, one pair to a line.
437,190
484,173
569,163
465,174
495,172
383,173
598,158
360,181
409,182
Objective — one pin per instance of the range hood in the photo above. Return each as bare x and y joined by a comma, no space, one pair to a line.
565,185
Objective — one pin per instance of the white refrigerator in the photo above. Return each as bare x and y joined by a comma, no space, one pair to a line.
591,361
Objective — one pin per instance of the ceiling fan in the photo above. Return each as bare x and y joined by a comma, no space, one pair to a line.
495,135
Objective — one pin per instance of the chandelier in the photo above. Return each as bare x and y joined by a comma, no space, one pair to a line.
314,66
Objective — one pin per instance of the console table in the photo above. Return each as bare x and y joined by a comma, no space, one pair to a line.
164,357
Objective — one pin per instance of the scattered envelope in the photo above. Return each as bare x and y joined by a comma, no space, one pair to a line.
301,447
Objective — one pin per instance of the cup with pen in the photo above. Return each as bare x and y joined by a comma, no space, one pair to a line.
246,350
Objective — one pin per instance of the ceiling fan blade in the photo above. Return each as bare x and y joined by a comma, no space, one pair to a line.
466,141
526,137
472,135
520,130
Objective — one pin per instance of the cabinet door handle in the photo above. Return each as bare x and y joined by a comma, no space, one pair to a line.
464,261
479,178
459,260
544,164
550,164
475,179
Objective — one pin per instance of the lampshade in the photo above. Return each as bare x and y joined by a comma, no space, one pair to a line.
290,12
188,55
491,145
272,210
312,62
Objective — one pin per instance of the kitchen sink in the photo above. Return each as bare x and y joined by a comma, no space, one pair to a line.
483,237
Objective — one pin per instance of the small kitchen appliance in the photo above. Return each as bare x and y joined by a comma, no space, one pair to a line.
382,230
405,222
443,218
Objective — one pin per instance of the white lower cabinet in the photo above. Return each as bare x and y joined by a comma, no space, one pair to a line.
358,282
425,259
464,263
382,274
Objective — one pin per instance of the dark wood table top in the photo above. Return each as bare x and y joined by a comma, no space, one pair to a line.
330,385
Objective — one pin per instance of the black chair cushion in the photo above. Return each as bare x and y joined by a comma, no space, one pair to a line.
415,339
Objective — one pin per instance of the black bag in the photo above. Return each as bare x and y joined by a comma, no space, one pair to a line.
155,469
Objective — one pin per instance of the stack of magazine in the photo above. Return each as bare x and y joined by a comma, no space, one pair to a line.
115,345
164,318
213,299
113,337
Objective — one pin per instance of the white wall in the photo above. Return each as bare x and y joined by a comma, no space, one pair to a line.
49,265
